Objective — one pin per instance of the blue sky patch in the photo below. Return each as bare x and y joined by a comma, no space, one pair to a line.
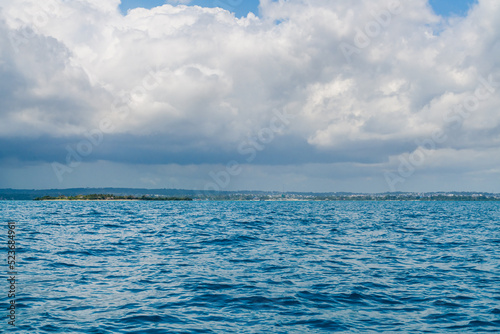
451,7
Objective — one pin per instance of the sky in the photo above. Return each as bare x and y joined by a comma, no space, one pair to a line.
297,95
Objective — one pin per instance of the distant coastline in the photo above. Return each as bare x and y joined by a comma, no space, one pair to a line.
138,194
109,197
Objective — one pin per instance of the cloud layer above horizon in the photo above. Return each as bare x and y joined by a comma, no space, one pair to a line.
331,93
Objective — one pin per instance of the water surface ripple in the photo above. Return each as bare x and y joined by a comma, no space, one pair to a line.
255,267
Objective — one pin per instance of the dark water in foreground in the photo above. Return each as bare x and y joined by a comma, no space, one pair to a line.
254,267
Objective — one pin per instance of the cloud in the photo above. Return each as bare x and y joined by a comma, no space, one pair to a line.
179,2
188,85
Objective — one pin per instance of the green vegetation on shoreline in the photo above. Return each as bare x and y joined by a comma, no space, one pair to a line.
109,197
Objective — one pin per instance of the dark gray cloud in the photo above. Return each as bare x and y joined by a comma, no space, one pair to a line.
160,149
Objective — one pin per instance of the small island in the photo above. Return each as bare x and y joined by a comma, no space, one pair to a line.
110,197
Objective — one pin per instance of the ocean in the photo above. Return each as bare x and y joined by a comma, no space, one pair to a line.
251,267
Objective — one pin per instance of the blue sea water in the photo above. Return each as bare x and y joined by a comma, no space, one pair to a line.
254,267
